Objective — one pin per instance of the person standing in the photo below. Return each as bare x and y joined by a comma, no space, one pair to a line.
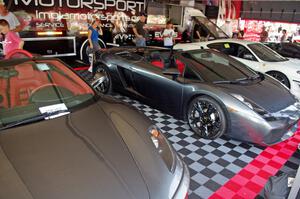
12,40
12,20
139,31
196,33
264,35
168,35
283,38
93,35
200,33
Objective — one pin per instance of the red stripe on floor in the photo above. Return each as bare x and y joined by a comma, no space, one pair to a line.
249,182
81,68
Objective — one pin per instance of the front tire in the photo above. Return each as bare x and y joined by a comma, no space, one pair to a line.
101,81
206,117
280,77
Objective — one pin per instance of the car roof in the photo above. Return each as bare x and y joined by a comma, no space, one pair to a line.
240,41
184,46
134,48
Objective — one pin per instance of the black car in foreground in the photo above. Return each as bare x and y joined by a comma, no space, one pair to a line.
60,140
213,92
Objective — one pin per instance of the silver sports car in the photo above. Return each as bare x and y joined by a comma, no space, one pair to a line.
213,92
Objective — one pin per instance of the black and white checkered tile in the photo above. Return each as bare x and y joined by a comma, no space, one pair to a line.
211,162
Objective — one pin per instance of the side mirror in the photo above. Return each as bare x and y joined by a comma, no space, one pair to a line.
174,72
248,56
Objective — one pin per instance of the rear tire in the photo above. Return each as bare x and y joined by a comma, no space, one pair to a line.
206,117
84,50
280,77
101,81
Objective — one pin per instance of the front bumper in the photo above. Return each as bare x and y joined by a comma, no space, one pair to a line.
279,134
268,130
284,125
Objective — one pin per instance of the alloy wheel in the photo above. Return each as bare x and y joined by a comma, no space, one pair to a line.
101,81
206,118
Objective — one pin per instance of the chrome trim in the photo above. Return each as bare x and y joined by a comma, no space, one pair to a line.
112,44
60,55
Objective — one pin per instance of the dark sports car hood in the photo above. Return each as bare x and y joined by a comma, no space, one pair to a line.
268,94
82,155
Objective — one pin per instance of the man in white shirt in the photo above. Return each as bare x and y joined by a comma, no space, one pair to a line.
12,20
168,35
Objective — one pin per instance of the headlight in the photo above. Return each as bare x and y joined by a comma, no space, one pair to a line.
163,147
155,138
250,104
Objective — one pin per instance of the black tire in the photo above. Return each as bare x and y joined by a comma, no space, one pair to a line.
101,81
213,122
84,50
280,77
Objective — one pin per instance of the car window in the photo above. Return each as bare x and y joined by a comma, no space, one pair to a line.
28,86
291,47
244,53
227,48
217,46
233,49
265,53
214,66
190,74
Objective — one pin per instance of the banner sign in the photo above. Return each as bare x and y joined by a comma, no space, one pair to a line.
75,15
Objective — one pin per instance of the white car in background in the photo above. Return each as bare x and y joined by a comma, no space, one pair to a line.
258,57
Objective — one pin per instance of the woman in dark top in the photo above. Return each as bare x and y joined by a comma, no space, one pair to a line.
93,34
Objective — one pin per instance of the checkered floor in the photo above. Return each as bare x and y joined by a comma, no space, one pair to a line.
211,162
290,166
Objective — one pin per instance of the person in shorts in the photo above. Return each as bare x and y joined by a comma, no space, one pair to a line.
168,35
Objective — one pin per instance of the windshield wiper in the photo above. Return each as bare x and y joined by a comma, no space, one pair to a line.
226,82
238,81
42,116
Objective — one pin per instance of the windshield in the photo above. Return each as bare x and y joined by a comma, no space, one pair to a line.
31,88
214,66
265,53
214,30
